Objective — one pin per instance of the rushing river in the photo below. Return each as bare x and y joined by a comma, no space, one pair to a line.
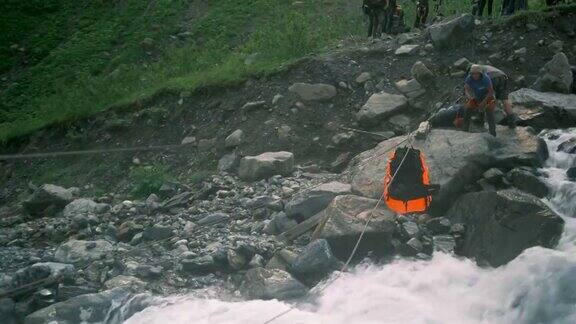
537,287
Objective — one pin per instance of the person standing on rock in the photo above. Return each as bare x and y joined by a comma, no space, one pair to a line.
422,9
480,97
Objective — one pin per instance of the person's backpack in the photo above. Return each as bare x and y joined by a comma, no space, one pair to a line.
407,186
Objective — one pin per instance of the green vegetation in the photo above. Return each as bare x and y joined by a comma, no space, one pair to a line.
148,179
66,59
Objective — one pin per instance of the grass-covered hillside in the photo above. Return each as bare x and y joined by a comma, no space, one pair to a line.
65,59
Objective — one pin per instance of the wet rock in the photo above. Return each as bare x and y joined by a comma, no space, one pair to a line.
493,175
282,260
410,88
266,165
229,162
452,33
315,262
413,247
157,232
379,106
90,308
422,74
444,243
409,229
200,265
571,173
308,204
260,283
527,182
346,218
406,50
310,92
500,225
47,196
127,230
470,155
236,261
81,253
439,225
7,311
145,271
234,139
555,76
568,146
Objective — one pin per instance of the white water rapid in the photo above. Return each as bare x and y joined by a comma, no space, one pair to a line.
537,287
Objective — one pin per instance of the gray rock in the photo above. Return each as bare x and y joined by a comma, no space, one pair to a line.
82,253
500,225
89,308
462,64
342,138
400,121
253,105
493,175
279,224
439,225
277,99
40,271
422,74
410,88
363,77
568,146
127,230
234,139
7,311
410,229
157,232
132,283
531,98
571,174
213,218
346,217
282,260
83,207
555,76
206,144
266,165
406,38
236,261
310,92
470,155
413,247
180,200
260,283
199,265
406,50
452,33
315,262
46,196
556,46
527,182
380,106
228,162
189,140
308,204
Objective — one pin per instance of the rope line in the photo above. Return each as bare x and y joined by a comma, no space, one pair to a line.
355,249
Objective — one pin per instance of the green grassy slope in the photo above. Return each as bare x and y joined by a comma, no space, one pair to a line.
65,59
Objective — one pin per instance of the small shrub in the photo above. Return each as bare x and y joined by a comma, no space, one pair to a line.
148,179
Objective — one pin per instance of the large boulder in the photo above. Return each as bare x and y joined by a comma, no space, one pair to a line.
265,165
544,109
555,76
454,158
317,91
315,262
410,88
82,253
345,219
422,74
452,33
501,224
379,106
89,308
261,283
308,204
45,197
527,182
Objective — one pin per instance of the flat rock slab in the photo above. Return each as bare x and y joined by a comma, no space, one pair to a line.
380,106
454,159
452,33
314,92
532,98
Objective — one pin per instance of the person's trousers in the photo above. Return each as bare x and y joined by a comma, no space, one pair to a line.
473,106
